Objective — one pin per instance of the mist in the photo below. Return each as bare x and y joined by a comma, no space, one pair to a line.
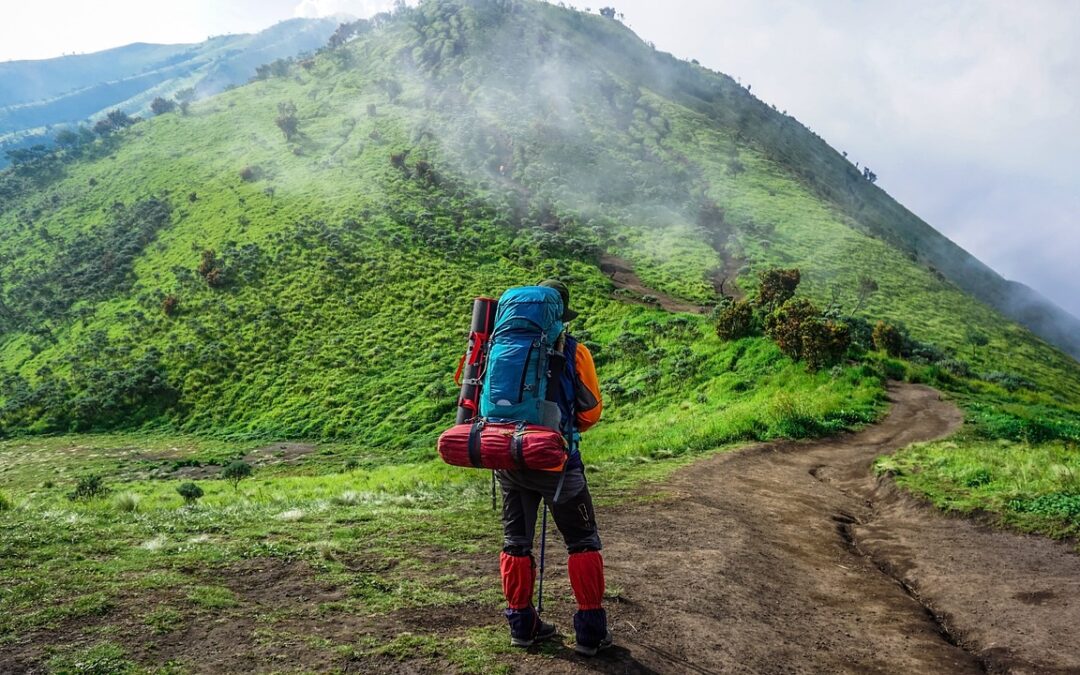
967,111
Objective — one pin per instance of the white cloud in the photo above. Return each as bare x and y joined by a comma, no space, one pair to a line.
312,9
968,110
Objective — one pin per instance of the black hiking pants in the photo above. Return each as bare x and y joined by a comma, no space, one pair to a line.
573,514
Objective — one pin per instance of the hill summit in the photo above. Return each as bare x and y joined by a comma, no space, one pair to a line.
297,256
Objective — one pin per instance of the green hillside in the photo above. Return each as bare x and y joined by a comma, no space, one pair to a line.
451,152
39,97
295,260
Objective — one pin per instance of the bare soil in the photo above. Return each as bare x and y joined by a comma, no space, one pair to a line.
794,558
622,275
275,453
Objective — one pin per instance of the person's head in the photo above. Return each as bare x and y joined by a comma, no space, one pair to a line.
564,292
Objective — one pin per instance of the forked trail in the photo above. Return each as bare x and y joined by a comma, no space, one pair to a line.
793,558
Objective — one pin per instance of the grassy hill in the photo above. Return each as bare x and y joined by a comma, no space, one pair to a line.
295,259
37,97
451,152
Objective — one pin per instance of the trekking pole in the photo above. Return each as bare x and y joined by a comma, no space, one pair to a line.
543,547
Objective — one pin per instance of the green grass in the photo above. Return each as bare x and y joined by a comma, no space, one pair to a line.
405,521
345,308
163,620
101,659
1031,487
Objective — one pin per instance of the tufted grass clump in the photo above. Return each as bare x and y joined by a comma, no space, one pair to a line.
126,502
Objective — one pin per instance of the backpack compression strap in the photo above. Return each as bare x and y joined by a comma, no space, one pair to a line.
474,443
516,450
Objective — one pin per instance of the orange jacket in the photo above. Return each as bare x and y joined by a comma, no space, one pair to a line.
587,399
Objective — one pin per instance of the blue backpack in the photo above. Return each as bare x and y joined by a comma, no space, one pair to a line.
527,326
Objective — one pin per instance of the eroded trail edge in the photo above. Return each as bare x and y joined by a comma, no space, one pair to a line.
793,557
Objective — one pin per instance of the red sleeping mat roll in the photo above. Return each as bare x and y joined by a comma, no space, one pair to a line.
487,445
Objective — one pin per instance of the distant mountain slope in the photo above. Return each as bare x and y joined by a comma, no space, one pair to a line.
296,257
69,89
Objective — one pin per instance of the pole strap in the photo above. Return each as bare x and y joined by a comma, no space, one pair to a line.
543,550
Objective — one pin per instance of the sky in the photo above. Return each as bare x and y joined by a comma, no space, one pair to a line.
967,110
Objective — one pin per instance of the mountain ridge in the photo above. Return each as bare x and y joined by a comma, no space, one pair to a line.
251,268
37,95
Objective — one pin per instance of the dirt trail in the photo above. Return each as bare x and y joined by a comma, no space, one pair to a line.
792,558
622,275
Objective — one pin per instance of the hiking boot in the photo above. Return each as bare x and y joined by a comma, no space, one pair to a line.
586,650
545,631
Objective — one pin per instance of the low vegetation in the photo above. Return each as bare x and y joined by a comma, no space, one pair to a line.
296,259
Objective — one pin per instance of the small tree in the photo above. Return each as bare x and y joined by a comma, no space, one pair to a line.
211,270
777,287
103,128
607,12
191,492
160,106
888,338
286,119
392,88
976,339
235,472
120,119
67,139
185,97
866,288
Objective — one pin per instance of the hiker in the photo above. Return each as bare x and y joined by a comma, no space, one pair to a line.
567,496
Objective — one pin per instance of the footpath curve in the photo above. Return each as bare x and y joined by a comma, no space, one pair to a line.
793,558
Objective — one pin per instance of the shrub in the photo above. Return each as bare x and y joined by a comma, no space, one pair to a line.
286,120
785,325
735,320
191,492
5,502
126,502
1010,381
88,487
862,332
888,338
1054,504
160,106
777,287
802,334
250,173
893,370
235,472
351,464
437,391
824,343
211,270
955,367
630,344
169,305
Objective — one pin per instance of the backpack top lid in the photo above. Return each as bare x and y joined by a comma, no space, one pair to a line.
530,308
